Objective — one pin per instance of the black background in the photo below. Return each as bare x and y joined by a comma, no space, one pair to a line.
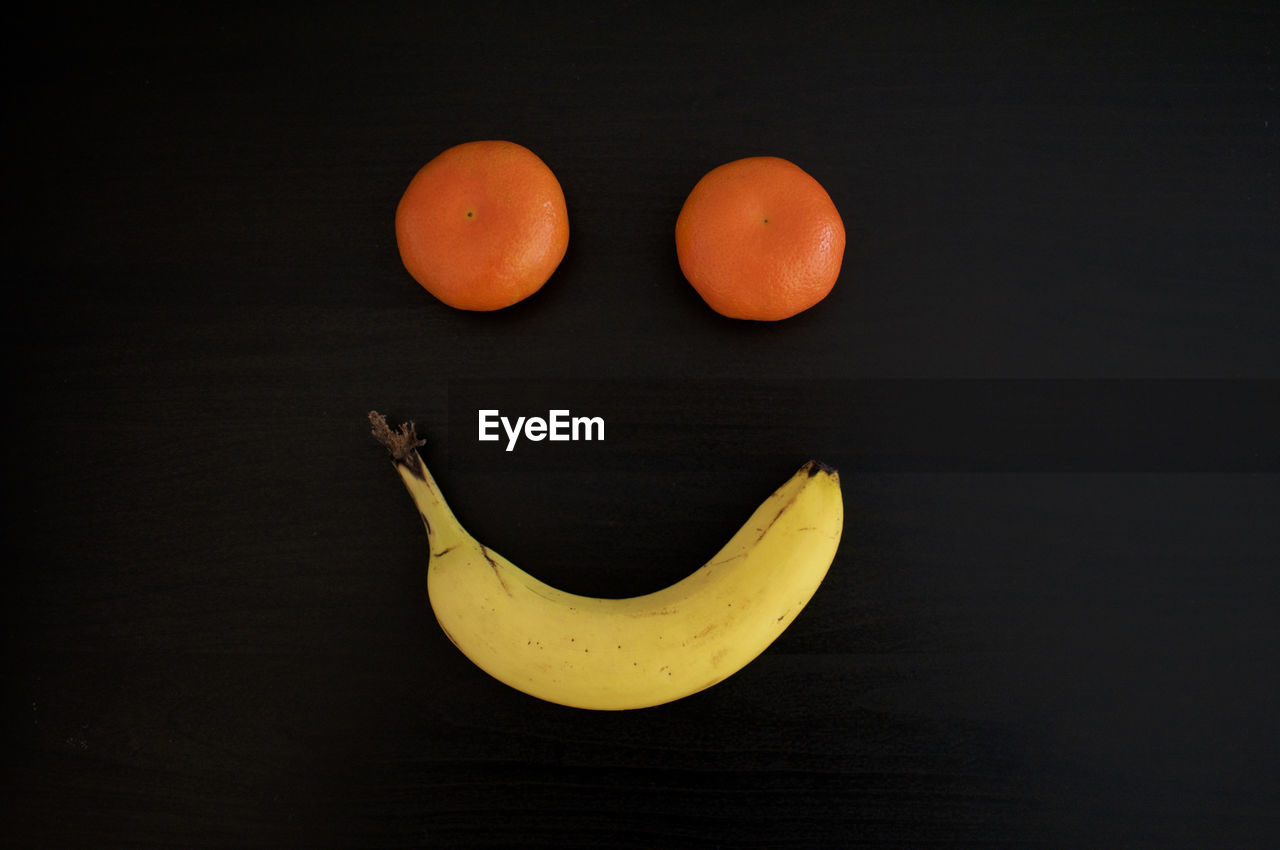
1047,374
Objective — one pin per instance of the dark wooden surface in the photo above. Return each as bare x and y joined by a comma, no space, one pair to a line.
1053,620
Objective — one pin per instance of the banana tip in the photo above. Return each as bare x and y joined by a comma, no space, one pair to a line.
817,466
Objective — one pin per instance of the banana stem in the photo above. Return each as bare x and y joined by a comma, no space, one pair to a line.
402,444
443,529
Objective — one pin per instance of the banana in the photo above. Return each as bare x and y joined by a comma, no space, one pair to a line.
612,654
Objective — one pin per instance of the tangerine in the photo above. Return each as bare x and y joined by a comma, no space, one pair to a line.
759,238
483,225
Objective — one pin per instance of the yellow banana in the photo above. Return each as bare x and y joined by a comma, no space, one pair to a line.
625,653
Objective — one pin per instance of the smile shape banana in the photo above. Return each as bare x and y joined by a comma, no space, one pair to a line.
625,653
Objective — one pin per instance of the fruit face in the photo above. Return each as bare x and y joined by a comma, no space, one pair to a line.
759,238
483,225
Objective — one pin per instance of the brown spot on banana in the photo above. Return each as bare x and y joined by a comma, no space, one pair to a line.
484,550
660,612
780,512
